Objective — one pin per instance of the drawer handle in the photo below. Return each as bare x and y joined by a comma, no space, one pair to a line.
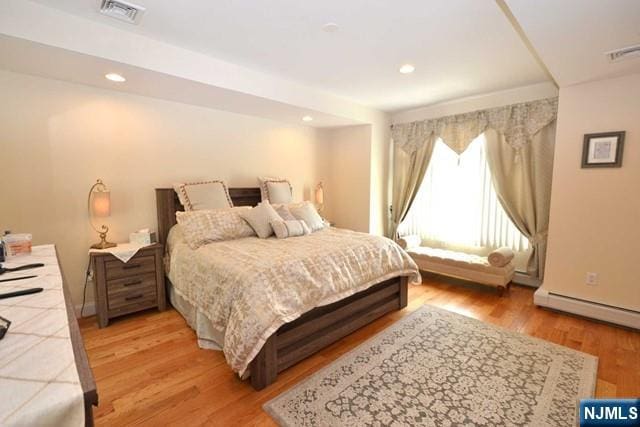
134,282
130,266
133,297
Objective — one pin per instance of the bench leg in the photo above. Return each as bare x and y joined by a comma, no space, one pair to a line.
502,289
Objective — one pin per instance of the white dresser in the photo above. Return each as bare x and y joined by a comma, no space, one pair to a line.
45,378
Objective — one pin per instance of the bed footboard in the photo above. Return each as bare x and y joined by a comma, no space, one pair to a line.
323,326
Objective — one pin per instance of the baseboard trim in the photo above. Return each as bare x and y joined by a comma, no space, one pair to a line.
606,313
89,310
526,280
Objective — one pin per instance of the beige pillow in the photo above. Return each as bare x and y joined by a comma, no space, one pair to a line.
260,218
203,195
284,229
211,225
276,190
307,213
500,257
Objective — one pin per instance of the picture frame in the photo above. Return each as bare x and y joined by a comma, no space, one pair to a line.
603,150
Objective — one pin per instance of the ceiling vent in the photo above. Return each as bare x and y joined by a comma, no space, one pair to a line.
624,53
122,10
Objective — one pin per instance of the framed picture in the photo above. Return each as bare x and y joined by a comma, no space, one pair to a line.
602,150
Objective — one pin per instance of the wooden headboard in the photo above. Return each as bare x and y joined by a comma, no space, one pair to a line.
168,204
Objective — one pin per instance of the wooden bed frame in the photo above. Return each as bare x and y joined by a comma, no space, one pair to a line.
313,330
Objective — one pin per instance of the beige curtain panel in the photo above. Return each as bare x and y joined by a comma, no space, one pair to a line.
522,180
409,169
520,141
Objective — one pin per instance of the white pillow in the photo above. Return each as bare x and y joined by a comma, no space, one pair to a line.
284,229
211,225
276,190
203,195
260,218
307,213
284,212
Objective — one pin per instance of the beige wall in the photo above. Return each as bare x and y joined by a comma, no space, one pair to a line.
595,213
346,174
57,138
379,186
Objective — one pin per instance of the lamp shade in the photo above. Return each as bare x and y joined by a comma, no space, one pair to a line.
101,203
319,194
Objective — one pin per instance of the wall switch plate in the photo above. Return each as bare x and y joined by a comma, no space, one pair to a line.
592,279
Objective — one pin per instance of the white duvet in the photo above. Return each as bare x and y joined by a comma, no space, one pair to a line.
250,287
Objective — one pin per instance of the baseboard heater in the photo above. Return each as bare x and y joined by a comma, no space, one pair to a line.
607,313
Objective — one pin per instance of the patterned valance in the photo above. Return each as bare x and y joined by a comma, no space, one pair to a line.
518,123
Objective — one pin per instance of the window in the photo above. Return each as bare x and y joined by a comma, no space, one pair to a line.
457,207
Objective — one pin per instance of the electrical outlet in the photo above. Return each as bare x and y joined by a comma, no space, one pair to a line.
592,279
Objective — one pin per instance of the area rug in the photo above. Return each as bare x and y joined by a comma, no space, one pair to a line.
437,368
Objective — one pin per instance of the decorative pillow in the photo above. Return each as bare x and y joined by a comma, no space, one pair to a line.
284,229
203,195
276,190
284,212
263,188
260,218
307,212
211,225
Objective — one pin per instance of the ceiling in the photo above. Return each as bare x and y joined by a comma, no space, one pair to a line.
459,47
23,56
571,36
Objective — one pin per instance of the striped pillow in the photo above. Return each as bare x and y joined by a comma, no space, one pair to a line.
284,229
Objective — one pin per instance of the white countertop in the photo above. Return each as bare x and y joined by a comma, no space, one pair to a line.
39,381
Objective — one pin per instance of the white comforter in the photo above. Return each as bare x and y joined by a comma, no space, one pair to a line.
250,287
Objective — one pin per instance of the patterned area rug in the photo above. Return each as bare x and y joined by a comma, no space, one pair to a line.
437,368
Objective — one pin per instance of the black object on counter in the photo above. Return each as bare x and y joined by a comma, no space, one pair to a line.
4,326
2,247
18,278
20,293
22,267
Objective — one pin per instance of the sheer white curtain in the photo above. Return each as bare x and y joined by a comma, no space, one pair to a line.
456,205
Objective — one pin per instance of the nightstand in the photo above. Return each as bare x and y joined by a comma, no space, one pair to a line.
124,288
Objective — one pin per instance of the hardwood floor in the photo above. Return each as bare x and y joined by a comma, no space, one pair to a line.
150,371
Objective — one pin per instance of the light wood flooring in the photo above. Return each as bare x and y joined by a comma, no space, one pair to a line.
150,371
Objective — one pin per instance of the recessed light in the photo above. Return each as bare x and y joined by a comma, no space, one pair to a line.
407,69
307,119
115,77
330,27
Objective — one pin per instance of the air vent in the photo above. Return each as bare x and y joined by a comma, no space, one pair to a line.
624,53
122,10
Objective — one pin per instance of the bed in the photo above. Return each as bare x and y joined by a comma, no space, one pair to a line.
266,331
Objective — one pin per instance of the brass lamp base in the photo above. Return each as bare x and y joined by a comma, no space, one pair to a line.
103,244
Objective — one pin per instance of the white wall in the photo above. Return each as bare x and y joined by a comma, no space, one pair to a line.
379,177
595,213
57,138
346,173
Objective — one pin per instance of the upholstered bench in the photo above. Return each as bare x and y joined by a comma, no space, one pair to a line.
495,270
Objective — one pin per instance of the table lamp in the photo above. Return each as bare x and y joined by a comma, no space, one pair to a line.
99,206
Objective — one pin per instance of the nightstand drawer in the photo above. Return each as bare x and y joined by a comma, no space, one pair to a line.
133,297
130,284
138,265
